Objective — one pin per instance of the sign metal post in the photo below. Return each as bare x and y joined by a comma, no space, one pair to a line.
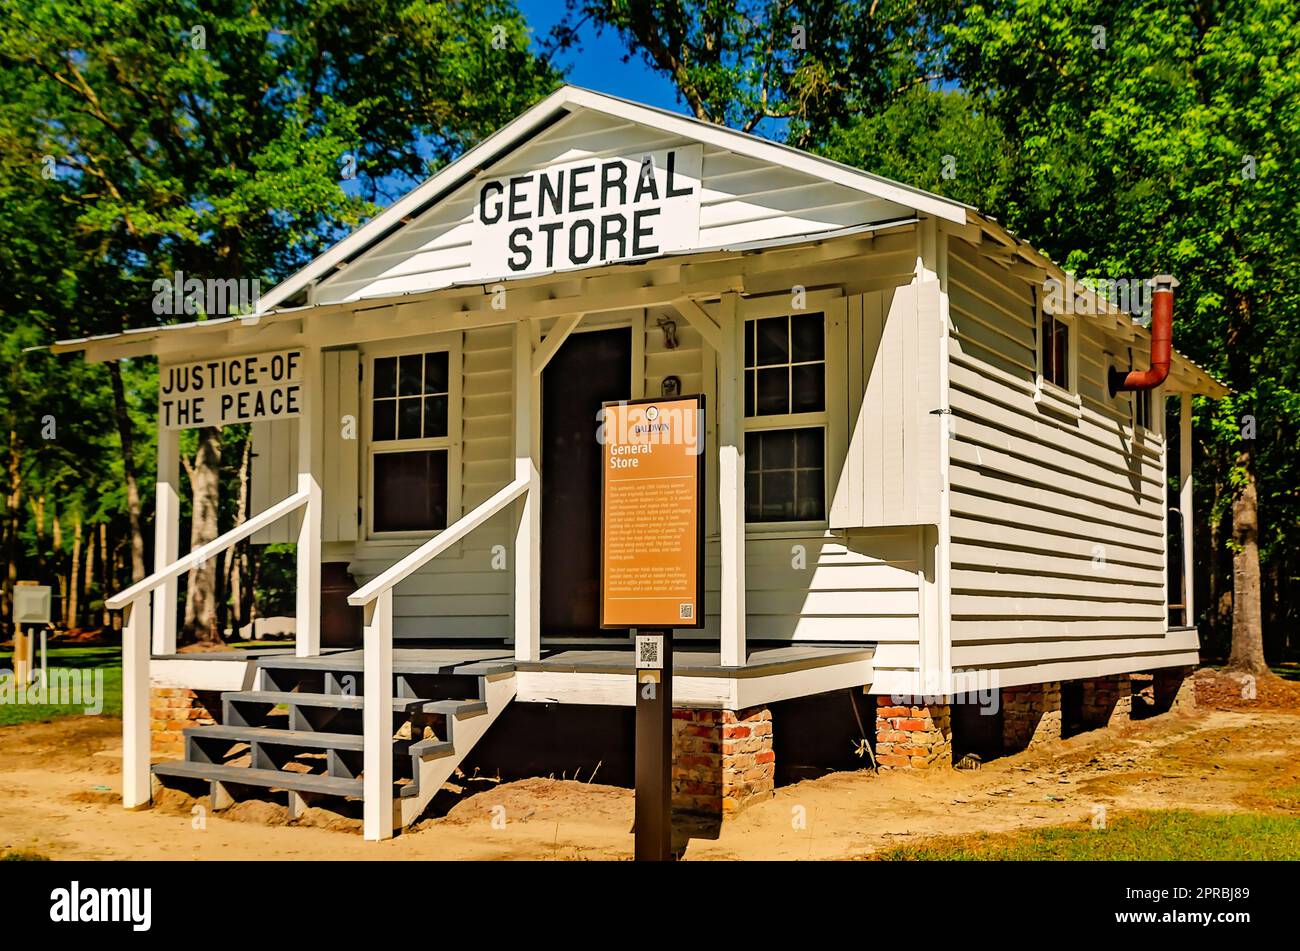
652,576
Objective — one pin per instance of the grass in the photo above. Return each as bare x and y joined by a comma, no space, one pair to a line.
23,857
107,659
1159,835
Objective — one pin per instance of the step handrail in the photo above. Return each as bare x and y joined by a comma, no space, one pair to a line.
199,556
438,544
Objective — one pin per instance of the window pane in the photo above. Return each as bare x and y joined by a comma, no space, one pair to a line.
749,343
785,475
807,338
408,418
435,372
1061,350
810,453
435,416
1045,344
410,491
385,419
386,376
773,342
808,494
808,383
749,392
774,391
409,374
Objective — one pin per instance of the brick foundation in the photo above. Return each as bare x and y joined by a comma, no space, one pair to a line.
722,759
1106,700
173,709
1031,714
1174,689
912,734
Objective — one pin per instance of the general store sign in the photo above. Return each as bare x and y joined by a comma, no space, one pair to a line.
652,532
588,212
242,389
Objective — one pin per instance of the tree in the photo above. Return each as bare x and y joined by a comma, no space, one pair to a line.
1166,137
788,66
235,142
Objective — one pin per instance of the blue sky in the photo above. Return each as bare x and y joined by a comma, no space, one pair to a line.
600,65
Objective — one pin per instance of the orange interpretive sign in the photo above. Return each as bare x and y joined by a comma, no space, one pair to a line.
652,528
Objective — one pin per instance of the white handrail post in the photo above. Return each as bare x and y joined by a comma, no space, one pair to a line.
310,445
377,717
528,531
135,703
731,482
166,538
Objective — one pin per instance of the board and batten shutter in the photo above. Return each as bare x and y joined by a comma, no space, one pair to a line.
891,469
275,458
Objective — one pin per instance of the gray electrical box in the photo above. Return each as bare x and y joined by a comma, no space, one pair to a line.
31,604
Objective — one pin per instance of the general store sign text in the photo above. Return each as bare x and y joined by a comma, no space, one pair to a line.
588,212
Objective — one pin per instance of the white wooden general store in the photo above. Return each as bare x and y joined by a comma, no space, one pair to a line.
907,491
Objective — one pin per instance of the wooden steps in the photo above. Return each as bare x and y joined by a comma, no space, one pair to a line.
318,749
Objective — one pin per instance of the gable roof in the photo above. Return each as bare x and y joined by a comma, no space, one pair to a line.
566,101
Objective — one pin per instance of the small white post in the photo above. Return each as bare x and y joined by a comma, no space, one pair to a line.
1185,503
166,538
731,482
377,717
135,704
528,530
310,455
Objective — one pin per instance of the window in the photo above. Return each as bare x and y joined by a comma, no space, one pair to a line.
411,491
1142,409
785,475
410,396
1054,351
410,425
785,412
785,365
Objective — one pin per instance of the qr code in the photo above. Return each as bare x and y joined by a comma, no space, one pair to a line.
649,651
685,611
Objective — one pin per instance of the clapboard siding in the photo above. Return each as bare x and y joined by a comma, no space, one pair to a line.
860,587
1057,518
741,200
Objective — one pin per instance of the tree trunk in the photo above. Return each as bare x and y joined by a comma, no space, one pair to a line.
205,479
1247,621
74,580
13,505
236,557
126,438
106,573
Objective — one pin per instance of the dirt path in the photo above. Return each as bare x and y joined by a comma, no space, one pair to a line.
59,784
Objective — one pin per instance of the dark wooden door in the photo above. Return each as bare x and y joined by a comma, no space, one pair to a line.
590,368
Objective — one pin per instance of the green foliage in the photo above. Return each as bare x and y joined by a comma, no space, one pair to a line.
224,140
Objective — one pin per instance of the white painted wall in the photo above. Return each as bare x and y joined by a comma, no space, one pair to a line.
1058,546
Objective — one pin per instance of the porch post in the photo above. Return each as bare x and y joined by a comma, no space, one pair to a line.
377,718
731,481
1185,502
310,455
135,704
166,538
528,535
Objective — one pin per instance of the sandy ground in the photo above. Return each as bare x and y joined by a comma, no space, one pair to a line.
59,784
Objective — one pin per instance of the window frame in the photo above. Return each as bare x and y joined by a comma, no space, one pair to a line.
832,419
451,344
1046,392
